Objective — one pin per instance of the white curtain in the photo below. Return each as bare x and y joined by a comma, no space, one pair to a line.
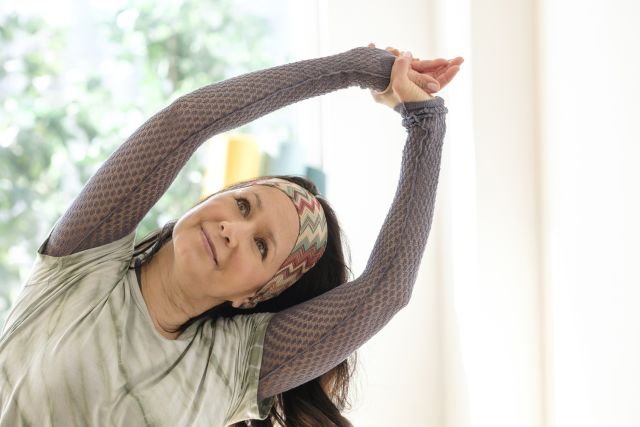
527,307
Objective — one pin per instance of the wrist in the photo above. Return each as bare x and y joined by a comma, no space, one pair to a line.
422,97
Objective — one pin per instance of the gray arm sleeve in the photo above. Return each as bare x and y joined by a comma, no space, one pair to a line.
311,338
136,175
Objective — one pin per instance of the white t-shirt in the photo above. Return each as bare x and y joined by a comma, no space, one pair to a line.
79,348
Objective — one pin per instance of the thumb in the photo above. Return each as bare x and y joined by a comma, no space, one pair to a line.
401,67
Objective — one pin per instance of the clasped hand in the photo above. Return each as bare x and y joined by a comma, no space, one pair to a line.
413,79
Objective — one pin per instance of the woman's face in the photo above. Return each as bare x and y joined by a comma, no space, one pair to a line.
252,231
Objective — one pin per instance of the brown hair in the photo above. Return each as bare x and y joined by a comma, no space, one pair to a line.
318,402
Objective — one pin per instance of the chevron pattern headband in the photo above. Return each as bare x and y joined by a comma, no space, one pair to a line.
311,243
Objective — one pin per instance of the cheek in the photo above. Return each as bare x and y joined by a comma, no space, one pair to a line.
248,275
211,209
247,271
188,260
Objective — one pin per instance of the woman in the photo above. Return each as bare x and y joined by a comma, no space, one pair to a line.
93,341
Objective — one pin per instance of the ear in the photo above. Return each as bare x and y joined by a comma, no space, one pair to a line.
236,303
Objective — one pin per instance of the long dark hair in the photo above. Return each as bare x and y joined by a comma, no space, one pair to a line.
318,402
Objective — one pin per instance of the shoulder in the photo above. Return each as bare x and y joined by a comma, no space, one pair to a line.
243,326
116,252
75,280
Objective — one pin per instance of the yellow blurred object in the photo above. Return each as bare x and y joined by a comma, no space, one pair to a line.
243,159
215,159
230,158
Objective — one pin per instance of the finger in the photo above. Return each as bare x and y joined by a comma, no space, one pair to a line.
400,69
451,63
440,65
394,51
439,73
426,82
429,64
446,77
455,62
371,45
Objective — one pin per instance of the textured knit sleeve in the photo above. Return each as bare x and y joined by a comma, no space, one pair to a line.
307,340
137,174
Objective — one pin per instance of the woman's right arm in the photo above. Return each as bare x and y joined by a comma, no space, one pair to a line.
137,174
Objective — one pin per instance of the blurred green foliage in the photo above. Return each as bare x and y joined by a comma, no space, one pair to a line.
58,125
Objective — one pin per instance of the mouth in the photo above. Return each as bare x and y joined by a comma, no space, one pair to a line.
209,245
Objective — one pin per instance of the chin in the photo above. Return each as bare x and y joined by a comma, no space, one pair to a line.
186,258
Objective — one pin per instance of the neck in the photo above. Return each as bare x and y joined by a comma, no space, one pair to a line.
167,300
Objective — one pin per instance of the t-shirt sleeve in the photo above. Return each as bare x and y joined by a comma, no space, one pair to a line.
243,357
51,277
49,269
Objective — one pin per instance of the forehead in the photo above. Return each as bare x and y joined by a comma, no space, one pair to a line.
271,200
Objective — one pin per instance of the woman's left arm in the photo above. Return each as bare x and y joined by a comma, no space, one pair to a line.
307,340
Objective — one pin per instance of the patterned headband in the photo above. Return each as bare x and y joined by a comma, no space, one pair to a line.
311,243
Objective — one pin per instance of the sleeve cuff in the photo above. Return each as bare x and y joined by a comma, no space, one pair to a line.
405,108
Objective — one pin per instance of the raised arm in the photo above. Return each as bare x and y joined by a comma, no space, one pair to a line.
137,174
305,341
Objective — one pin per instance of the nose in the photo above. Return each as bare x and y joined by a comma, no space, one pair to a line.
233,232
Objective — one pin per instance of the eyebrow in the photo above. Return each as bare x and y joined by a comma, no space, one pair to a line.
259,205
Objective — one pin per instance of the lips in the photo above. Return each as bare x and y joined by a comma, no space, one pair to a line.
209,245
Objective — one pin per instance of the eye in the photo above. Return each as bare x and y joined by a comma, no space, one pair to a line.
262,247
244,206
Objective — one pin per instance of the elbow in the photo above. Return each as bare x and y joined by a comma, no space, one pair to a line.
403,303
399,300
404,297
178,106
